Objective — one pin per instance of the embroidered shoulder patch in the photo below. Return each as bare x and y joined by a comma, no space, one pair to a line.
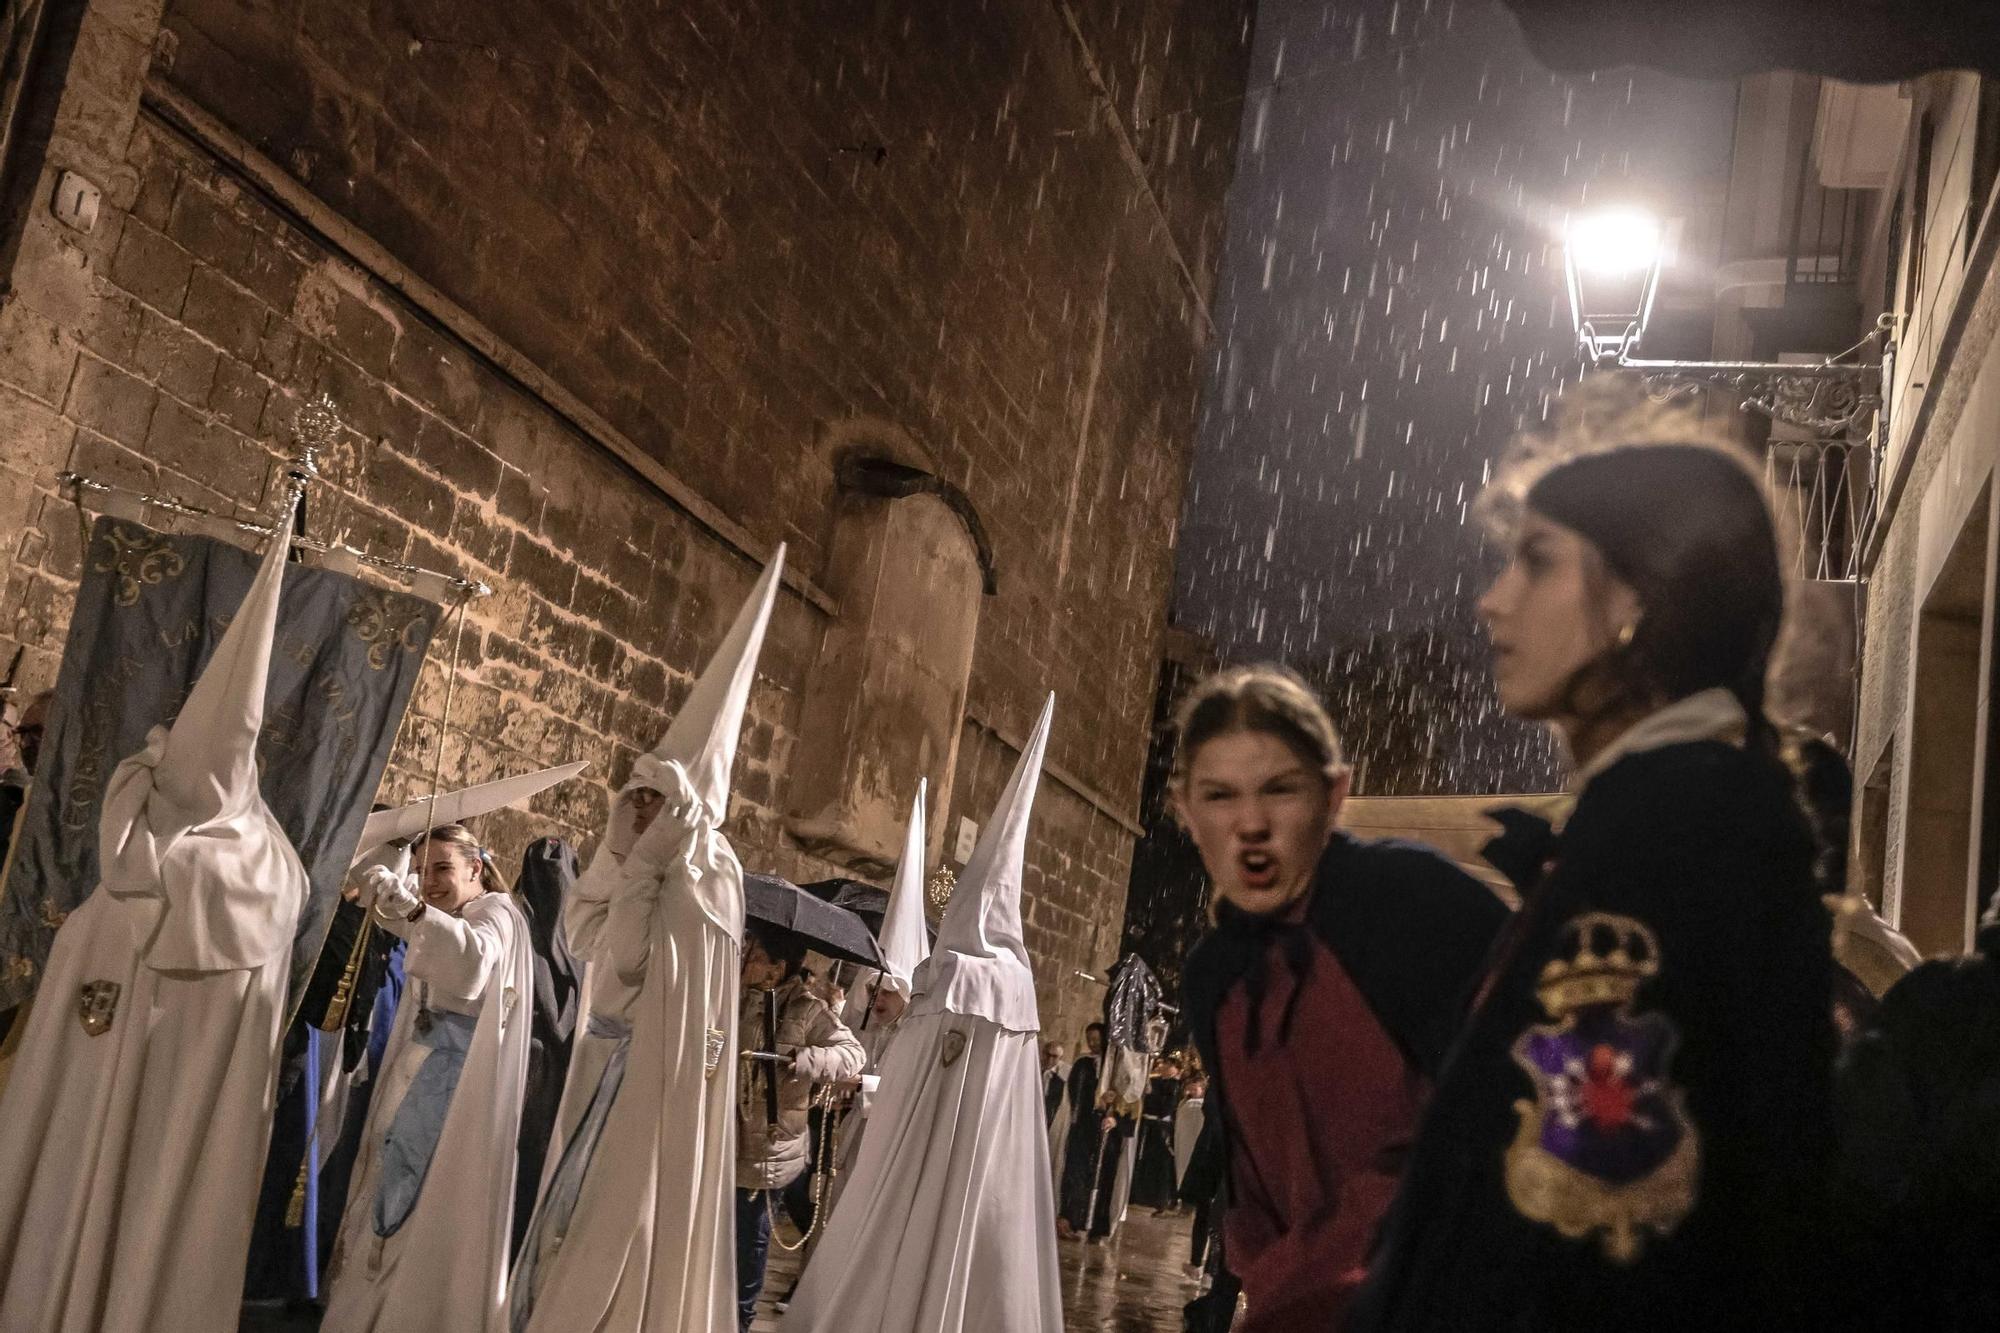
1606,1149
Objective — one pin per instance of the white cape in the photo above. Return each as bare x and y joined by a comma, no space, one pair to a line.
942,1230
129,1162
1187,1132
651,1244
130,1155
445,1269
948,1223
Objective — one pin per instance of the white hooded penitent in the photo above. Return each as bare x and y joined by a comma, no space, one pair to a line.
904,941
635,1227
139,1106
948,1224
696,742
904,938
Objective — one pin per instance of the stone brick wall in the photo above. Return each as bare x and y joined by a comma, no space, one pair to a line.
723,230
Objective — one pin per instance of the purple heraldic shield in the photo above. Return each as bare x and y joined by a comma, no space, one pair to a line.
1605,1149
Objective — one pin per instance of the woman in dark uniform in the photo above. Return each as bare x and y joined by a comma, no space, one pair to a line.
1635,1131
1153,1184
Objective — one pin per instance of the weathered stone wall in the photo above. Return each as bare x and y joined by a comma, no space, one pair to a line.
710,234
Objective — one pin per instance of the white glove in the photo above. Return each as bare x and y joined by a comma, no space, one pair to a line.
396,896
369,881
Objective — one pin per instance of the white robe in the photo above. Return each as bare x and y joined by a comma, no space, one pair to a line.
129,1160
606,996
875,1041
1187,1132
939,1201
445,1268
651,1245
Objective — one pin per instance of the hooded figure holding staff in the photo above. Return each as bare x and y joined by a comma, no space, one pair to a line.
138,1110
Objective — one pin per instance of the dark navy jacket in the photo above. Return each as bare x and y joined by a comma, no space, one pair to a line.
1655,1046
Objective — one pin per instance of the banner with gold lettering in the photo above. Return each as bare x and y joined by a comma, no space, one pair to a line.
151,608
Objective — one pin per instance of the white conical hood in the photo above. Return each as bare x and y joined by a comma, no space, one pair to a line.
980,965
702,739
229,898
211,749
903,941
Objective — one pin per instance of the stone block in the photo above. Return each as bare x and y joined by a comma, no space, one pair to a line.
419,500
273,272
329,309
548,572
110,402
441,374
174,359
200,449
519,498
476,532
210,230
457,457
109,325
107,460
159,177
225,314
152,268
238,396
36,356
365,404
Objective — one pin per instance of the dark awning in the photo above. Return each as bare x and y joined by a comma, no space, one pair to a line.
1862,41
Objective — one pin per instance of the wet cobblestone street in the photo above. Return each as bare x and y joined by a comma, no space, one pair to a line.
1134,1284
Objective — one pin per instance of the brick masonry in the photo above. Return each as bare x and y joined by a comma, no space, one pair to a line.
726,229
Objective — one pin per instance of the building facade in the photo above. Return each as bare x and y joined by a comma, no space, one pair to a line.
611,299
1858,221
1927,755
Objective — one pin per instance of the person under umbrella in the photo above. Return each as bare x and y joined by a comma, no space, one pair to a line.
792,922
812,1048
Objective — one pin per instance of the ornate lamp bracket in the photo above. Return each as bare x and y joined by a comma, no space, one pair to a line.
1827,399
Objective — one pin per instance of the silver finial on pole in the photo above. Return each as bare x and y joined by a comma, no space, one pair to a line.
315,426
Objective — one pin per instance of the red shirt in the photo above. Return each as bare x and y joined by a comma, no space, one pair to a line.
1322,1121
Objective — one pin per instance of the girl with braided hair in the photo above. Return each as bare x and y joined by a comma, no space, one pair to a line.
1635,1129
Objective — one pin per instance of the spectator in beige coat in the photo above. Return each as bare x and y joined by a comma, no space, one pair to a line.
780,1013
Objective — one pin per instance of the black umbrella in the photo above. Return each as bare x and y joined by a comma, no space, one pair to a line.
857,896
861,898
826,928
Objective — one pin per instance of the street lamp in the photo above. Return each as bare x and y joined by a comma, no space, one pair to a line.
1617,255
1612,261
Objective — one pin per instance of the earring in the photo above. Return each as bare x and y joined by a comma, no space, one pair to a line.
1626,633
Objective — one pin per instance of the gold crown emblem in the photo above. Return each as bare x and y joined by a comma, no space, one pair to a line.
1601,958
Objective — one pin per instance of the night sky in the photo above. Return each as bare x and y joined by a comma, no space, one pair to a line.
1390,312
